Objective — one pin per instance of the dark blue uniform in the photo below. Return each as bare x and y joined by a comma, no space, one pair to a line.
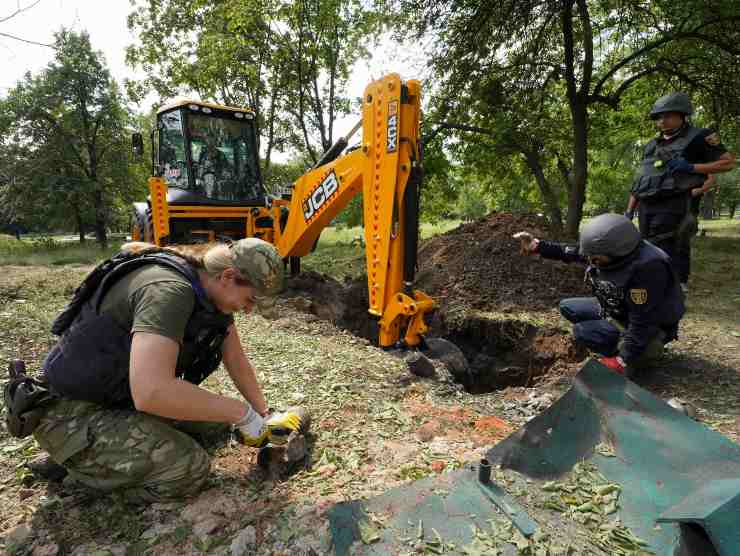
640,291
660,215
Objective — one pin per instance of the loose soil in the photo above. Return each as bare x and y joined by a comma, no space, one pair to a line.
479,264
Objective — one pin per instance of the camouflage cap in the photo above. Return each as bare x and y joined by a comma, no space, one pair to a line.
260,263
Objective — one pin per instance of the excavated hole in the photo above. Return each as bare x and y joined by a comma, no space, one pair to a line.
504,353
499,353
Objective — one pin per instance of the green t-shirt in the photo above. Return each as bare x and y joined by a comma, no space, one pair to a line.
151,299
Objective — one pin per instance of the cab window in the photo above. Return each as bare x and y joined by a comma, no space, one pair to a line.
172,161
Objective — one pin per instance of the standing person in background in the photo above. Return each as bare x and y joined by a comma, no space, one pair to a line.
675,164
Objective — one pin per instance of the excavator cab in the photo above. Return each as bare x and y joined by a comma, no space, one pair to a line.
210,153
205,159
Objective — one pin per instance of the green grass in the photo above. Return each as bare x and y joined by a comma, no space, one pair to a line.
723,227
715,276
48,251
341,252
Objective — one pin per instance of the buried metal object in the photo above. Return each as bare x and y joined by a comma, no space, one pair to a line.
280,460
420,362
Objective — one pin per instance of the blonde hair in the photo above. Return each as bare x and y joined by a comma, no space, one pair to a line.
213,258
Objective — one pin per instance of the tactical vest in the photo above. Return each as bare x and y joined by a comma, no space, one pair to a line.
654,179
91,360
609,286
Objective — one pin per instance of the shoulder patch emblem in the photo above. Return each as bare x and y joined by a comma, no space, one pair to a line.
639,296
712,138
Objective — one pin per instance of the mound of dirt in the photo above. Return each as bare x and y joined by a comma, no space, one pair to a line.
479,265
475,266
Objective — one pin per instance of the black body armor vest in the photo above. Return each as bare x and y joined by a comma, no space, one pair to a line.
91,360
654,179
609,287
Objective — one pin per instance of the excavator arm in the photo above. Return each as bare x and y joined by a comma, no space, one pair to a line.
387,170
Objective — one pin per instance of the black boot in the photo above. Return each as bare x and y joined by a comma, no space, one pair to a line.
46,469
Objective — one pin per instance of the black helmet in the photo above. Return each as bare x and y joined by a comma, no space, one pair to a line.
672,102
612,235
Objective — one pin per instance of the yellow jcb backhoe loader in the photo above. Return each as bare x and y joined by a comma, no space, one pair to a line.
207,185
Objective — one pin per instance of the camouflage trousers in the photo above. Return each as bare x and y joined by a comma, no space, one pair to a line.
146,458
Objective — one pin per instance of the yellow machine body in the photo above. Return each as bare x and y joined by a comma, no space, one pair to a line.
381,169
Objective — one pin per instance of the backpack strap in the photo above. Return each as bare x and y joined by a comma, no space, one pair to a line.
107,273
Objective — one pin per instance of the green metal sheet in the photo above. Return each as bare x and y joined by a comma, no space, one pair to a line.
661,456
715,507
668,466
446,505
511,509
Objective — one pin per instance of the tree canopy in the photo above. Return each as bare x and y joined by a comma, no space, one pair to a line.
64,133
556,91
289,61
538,73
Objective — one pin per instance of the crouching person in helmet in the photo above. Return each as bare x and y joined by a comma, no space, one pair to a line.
637,300
142,332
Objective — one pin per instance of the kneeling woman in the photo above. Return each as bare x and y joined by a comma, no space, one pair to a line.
143,330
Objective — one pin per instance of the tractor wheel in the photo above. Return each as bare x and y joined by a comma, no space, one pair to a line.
295,266
141,227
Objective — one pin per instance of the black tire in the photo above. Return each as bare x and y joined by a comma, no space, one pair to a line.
295,265
148,227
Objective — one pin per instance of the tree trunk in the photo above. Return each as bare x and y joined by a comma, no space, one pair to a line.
550,200
577,193
79,224
578,104
101,234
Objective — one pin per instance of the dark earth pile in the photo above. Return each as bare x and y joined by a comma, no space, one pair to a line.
479,264
476,266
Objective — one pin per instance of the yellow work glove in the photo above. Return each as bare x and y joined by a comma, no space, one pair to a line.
280,425
256,431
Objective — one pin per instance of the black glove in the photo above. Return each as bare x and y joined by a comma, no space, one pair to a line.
629,214
680,165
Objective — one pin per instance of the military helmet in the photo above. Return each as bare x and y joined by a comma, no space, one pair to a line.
612,235
260,263
672,102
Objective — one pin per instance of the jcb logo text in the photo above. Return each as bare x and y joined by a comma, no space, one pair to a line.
320,195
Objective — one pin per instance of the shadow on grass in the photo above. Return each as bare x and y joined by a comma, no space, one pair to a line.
712,387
